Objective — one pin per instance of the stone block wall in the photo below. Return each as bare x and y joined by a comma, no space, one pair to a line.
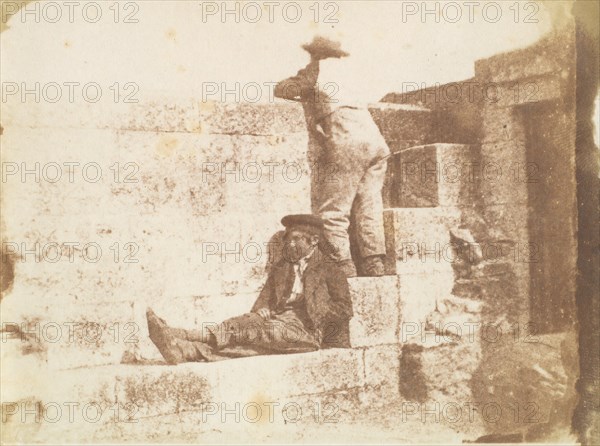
514,101
522,218
198,191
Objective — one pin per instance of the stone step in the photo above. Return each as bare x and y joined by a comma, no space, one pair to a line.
334,385
418,240
69,334
421,254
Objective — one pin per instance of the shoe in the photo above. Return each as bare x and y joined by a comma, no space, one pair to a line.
159,335
181,333
174,343
373,266
347,267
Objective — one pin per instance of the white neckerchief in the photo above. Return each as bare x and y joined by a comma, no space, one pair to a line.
299,268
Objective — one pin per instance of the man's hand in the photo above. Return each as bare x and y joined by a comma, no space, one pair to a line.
265,313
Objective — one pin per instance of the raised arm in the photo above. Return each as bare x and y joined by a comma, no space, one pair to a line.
302,86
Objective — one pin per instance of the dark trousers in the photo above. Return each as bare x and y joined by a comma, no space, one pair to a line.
286,332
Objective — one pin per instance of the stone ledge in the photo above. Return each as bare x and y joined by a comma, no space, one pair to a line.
162,389
105,334
401,122
167,115
184,115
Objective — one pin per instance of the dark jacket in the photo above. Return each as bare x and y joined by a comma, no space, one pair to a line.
326,296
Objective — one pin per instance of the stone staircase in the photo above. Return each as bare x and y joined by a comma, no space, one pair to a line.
336,382
112,363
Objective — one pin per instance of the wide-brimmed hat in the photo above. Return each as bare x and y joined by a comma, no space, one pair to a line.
322,48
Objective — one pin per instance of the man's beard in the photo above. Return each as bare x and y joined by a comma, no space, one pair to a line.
292,254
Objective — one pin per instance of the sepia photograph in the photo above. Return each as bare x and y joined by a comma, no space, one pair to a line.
300,222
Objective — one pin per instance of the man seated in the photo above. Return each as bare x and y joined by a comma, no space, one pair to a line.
305,305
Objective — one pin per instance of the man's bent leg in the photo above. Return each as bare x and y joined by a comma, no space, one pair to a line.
288,332
334,185
239,330
368,218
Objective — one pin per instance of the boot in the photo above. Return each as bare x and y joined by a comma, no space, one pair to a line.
166,344
372,266
347,267
173,343
180,333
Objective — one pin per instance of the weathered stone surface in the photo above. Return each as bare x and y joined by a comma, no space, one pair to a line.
432,175
161,115
418,239
421,292
376,305
283,118
439,358
173,389
455,109
330,386
382,375
420,252
205,235
399,122
502,124
536,89
535,390
506,177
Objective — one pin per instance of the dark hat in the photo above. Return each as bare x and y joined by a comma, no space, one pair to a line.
322,48
313,222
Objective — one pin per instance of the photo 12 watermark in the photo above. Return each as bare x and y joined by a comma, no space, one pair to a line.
470,11
270,12
472,92
69,172
429,251
71,12
71,251
453,172
71,332
54,412
264,92
269,171
468,331
70,92
269,412
470,412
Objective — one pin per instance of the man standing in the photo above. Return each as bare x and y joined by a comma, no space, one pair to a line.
304,306
350,161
